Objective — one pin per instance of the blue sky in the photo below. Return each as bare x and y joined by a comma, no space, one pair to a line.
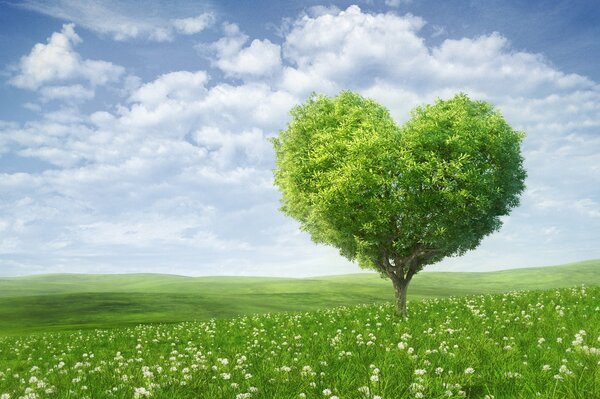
133,138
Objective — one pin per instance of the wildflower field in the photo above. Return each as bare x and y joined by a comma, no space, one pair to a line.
530,344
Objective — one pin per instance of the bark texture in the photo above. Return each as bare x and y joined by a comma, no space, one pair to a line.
400,288
400,291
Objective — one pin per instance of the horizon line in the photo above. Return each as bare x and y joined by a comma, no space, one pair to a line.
288,277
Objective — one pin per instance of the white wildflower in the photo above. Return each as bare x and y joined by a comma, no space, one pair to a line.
141,393
564,370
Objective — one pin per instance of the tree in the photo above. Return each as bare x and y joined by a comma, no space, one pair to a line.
396,199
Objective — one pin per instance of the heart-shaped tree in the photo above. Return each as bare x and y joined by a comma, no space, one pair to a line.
393,198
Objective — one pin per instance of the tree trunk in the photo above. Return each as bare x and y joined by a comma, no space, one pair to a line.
401,287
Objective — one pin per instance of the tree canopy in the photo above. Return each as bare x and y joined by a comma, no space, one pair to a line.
397,198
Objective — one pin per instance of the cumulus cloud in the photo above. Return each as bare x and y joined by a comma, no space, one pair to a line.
180,173
260,58
365,51
182,85
52,61
351,49
56,61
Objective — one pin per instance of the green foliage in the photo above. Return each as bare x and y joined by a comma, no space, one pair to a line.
429,189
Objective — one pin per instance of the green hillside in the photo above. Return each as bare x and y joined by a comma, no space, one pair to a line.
68,301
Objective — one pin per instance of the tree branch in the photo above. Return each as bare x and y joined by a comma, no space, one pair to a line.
403,269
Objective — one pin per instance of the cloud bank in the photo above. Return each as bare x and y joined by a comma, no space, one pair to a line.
124,20
176,176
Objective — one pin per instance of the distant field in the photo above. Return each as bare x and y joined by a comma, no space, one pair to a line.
73,301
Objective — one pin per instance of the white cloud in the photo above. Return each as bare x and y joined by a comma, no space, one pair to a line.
396,3
260,58
363,51
226,149
56,61
49,62
318,10
353,48
32,106
72,93
181,86
127,20
193,25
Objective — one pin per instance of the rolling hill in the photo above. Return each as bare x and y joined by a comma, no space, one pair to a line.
71,301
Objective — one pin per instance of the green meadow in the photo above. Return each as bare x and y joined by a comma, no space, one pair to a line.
76,301
527,344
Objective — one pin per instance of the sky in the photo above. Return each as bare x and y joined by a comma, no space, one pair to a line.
133,136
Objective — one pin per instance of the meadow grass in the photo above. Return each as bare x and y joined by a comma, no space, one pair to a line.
531,344
67,302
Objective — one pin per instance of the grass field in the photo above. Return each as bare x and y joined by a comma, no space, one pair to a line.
67,302
536,344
